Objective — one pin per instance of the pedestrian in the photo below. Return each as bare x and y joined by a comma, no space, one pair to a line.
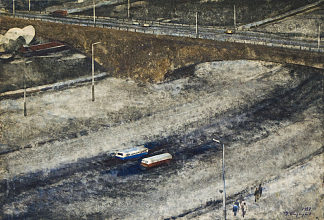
260,190
243,208
256,194
238,205
241,199
235,209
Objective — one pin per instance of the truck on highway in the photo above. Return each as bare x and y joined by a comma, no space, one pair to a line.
135,152
156,160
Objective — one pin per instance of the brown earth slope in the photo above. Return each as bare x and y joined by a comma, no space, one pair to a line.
149,57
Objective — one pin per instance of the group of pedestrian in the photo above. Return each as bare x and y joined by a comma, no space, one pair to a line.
241,203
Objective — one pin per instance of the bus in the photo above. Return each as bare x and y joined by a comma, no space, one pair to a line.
156,160
132,153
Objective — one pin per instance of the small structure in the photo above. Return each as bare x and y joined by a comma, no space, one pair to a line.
156,160
41,49
132,153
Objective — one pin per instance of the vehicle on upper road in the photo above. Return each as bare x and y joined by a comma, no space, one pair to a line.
229,31
59,13
132,153
156,160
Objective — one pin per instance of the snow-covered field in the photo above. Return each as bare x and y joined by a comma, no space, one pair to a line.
268,115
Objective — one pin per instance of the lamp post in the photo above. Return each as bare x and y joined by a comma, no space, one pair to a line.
92,52
94,13
234,18
319,37
128,7
25,106
13,8
28,5
197,25
223,165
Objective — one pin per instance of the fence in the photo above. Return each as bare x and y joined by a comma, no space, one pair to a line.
179,30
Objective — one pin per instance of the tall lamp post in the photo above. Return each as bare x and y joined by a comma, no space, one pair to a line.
25,106
128,7
28,5
94,12
197,25
234,18
223,165
319,36
92,52
13,8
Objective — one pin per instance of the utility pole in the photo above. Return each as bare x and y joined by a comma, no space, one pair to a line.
13,8
92,50
223,166
196,24
128,7
234,18
28,5
224,194
319,36
25,105
94,13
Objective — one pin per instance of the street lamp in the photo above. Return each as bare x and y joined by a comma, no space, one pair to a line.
197,25
92,52
94,13
25,107
29,5
13,8
128,7
223,164
319,37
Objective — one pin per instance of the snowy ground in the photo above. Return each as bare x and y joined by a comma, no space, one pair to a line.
268,115
303,26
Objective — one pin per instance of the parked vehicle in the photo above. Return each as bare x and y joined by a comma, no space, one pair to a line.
59,13
156,160
132,153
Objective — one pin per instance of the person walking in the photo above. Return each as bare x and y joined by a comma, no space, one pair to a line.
260,190
256,194
238,205
243,208
235,208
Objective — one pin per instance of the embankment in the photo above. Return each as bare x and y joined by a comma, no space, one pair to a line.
148,57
